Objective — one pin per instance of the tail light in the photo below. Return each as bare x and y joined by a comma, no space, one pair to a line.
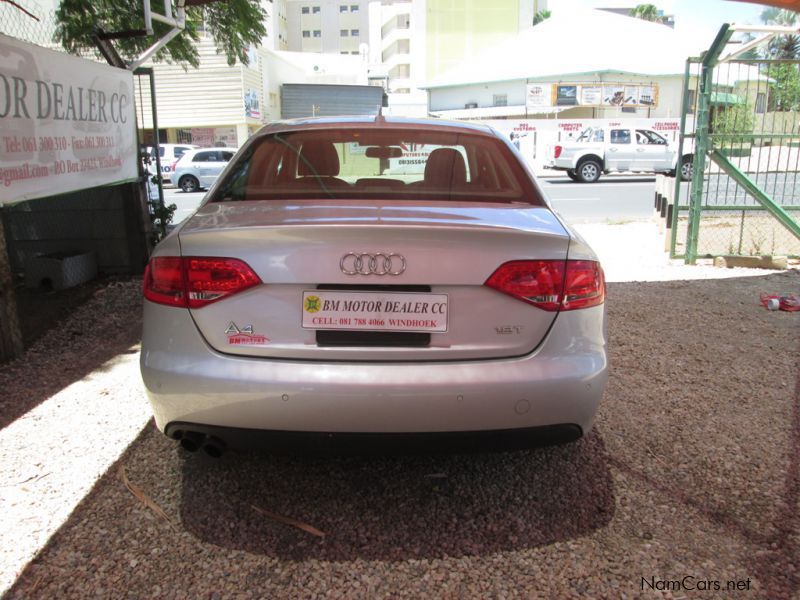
195,281
552,284
557,151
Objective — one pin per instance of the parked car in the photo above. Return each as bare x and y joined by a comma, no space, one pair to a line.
601,150
200,168
169,154
374,277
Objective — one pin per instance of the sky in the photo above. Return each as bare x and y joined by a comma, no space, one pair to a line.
703,18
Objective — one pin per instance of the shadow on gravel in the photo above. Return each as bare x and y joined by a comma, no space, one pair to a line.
61,342
399,508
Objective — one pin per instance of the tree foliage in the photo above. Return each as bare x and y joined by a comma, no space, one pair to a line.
736,119
235,25
784,77
784,87
647,12
541,16
782,46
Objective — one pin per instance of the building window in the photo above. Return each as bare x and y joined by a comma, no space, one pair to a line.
344,52
354,8
354,32
343,8
343,32
315,10
500,100
306,33
304,10
317,33
761,103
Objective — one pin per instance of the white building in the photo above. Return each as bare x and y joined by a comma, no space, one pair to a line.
327,26
593,64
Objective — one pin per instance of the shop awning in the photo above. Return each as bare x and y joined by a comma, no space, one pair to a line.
726,99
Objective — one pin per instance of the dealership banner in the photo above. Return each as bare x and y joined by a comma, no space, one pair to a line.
66,123
547,95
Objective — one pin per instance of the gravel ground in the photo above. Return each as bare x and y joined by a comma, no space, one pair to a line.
692,471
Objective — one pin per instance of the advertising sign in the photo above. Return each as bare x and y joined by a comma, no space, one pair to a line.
538,95
374,311
66,123
252,108
591,95
567,95
547,95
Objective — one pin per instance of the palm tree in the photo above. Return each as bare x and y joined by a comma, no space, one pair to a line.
784,46
647,12
541,16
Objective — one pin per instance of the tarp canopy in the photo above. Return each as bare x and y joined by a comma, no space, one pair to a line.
582,42
726,99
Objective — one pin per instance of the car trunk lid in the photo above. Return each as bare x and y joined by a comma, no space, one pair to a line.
365,281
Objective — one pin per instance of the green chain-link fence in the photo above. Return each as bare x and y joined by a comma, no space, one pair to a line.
29,22
743,118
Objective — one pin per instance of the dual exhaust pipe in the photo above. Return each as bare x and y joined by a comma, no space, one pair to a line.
192,441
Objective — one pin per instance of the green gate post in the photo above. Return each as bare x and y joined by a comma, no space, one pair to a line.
702,141
678,164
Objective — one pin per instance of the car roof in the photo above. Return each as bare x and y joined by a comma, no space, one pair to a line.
212,148
322,123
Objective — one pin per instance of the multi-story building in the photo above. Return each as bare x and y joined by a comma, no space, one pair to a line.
328,26
412,41
276,24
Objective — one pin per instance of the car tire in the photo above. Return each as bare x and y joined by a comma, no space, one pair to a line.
589,171
687,168
572,175
189,184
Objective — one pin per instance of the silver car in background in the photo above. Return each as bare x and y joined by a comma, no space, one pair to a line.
199,169
374,279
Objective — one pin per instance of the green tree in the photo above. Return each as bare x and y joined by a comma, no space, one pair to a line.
784,87
235,25
737,119
782,46
541,16
647,12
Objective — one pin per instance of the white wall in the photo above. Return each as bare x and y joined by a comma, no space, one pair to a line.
454,98
306,67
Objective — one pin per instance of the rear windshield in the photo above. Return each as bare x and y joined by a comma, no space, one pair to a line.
385,164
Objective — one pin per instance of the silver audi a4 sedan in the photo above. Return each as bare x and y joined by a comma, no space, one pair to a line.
374,279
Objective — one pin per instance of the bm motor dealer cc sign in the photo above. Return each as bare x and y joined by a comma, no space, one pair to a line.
66,123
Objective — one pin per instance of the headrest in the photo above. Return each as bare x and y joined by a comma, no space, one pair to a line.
445,167
318,158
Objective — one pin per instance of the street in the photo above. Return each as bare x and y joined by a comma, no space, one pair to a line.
610,199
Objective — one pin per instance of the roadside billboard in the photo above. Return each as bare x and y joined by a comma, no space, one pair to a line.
66,123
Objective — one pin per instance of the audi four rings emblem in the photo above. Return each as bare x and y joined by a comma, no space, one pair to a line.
363,263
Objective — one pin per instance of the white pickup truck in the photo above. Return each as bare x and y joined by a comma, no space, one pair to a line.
601,150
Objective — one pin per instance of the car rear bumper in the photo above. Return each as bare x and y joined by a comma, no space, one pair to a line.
323,443
561,383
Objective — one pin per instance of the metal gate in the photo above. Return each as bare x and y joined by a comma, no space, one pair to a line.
742,121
